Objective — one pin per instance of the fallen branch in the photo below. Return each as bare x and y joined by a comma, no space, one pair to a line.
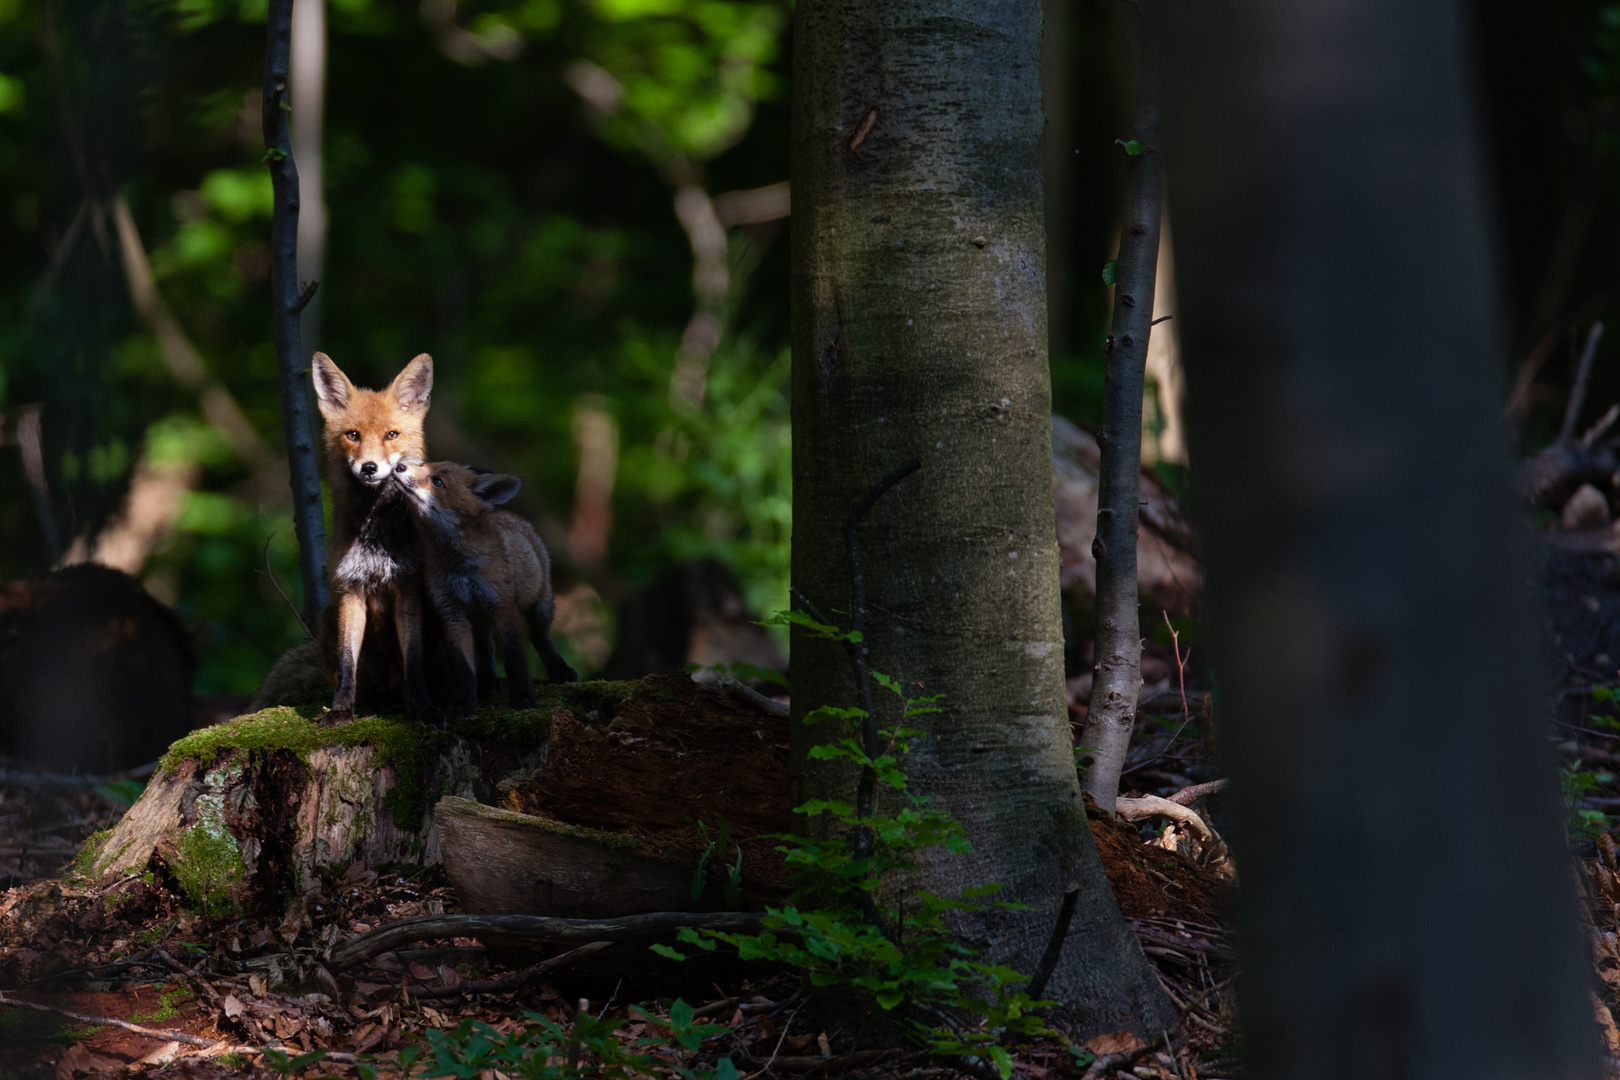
514,979
536,929
113,1021
1150,806
753,698
1189,795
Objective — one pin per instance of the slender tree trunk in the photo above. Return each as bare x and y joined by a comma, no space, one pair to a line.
1407,905
286,305
1117,675
308,96
919,330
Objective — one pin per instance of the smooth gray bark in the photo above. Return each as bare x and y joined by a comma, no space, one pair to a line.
1406,906
1117,674
919,330
287,304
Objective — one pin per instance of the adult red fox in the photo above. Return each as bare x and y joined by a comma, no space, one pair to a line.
484,569
371,632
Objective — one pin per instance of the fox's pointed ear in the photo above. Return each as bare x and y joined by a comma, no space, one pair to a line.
496,489
332,388
412,387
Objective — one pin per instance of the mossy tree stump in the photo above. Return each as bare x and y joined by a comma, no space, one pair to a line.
248,814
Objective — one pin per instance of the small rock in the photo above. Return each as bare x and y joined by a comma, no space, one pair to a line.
1586,509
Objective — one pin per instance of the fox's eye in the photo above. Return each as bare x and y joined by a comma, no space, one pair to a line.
392,435
438,482
352,436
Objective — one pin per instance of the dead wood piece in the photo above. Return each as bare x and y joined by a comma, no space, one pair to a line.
1189,795
533,929
749,696
1151,806
112,1021
506,863
515,979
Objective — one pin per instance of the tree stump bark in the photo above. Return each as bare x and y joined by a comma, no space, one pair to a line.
255,811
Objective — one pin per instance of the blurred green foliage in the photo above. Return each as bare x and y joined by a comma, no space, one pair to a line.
499,178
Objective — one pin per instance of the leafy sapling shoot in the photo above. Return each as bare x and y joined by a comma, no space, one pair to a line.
485,570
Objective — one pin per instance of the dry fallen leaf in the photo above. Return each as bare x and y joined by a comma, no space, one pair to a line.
163,1055
80,1059
1114,1042
233,1006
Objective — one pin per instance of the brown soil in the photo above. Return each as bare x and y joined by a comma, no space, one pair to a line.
1152,883
655,765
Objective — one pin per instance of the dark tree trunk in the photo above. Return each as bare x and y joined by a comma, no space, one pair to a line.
919,331
287,305
1117,675
1406,903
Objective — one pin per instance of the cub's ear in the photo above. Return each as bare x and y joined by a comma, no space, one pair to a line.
412,387
496,489
332,388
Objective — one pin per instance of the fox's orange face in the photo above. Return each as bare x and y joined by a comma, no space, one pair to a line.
453,494
373,430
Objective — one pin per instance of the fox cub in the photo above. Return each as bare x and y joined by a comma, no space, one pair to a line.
372,630
484,569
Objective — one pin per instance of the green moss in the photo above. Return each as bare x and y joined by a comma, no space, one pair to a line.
208,865
84,862
622,841
165,1007
409,749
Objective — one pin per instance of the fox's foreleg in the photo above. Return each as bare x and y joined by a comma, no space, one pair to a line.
351,619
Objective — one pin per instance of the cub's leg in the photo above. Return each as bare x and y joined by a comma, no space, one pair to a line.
408,625
351,620
462,636
539,616
483,646
519,690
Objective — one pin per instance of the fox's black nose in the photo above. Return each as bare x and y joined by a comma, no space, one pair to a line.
369,469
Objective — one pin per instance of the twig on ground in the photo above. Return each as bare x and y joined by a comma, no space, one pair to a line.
532,928
513,980
1577,395
1595,432
780,1039
112,1021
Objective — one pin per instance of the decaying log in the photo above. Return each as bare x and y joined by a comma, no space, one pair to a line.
533,930
506,863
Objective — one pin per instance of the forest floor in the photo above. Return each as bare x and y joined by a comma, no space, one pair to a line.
200,995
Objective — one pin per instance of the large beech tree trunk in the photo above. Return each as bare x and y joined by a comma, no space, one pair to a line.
920,331
1406,902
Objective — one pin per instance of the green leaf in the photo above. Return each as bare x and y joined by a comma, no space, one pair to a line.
1133,148
1003,1060
888,684
1108,271
668,952
680,1013
273,154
